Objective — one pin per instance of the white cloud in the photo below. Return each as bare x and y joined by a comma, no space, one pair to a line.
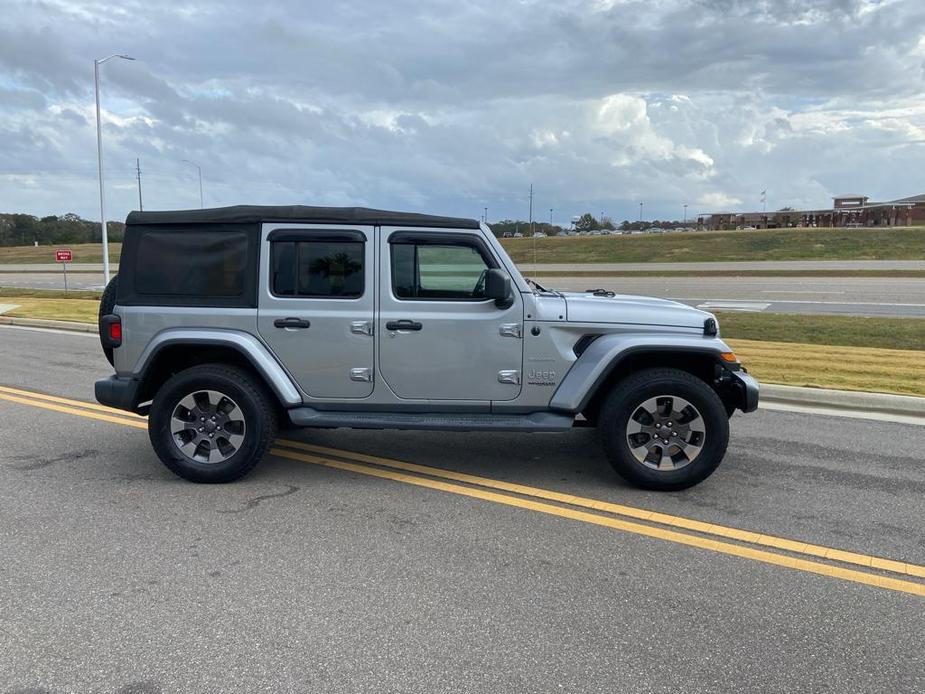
448,107
718,201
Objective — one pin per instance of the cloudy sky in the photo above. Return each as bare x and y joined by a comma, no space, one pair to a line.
447,106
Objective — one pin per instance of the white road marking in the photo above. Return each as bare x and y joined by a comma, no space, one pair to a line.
7,307
49,330
754,307
798,291
798,301
837,412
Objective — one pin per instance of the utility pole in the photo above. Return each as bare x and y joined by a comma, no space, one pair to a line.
640,212
550,216
685,213
486,215
532,230
99,158
199,169
531,208
138,176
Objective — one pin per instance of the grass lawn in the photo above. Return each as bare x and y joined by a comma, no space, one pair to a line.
845,331
843,368
83,253
771,244
45,294
79,310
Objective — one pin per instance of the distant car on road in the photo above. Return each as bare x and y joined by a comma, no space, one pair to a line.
507,235
518,235
223,324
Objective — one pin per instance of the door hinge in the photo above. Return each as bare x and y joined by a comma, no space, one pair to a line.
511,330
509,376
363,375
362,327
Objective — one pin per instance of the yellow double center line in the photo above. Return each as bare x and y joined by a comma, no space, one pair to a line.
769,549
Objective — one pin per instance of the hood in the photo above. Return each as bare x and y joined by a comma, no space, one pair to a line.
583,307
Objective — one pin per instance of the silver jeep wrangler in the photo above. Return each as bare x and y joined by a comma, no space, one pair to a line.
224,324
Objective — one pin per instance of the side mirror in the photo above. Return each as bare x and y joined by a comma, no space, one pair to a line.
498,287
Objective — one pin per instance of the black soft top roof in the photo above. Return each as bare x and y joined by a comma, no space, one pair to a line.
255,214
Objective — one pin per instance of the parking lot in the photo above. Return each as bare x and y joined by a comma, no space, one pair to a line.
429,562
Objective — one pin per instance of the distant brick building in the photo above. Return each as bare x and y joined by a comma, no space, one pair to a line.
846,211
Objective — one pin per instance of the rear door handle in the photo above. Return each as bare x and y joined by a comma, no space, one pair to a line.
403,325
299,323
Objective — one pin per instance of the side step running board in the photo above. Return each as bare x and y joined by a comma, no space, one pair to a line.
535,421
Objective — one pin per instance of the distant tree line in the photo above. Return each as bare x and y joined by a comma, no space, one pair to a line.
587,222
512,226
26,230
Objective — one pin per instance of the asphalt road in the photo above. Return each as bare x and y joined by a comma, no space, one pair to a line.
861,296
799,265
118,577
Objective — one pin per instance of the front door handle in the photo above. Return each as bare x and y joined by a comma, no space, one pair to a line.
299,323
403,325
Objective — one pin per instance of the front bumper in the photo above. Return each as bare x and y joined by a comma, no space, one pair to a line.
746,388
120,393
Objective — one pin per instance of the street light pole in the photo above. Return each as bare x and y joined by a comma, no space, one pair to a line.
99,157
199,169
640,212
685,213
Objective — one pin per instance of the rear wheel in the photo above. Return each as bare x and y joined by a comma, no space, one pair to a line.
664,429
211,423
107,304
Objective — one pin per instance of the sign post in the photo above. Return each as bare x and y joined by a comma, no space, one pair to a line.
64,256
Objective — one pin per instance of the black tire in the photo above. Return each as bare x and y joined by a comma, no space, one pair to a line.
107,304
625,401
257,412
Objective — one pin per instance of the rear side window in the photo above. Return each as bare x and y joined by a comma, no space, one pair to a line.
324,268
191,264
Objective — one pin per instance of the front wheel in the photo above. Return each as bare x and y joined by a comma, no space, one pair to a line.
664,429
211,423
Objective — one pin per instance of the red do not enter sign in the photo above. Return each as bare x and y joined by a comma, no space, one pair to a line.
63,255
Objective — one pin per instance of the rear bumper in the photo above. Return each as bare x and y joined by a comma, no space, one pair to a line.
747,390
117,392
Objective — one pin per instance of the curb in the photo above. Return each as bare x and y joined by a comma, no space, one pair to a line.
906,406
46,323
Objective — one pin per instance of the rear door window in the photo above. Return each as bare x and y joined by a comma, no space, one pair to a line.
322,269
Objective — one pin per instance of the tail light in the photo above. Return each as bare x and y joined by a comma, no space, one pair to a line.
111,330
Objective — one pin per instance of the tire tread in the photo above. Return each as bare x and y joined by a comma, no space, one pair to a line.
265,417
613,436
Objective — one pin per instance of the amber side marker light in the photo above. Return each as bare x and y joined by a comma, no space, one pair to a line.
729,356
